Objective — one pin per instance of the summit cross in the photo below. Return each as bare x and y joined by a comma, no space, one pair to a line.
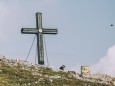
39,31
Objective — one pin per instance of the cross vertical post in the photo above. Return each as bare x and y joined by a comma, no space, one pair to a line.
40,38
39,31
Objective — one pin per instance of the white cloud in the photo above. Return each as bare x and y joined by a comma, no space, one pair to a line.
106,64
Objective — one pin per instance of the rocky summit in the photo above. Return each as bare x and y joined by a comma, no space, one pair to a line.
22,73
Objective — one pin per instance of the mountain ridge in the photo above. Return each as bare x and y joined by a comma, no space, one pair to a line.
22,73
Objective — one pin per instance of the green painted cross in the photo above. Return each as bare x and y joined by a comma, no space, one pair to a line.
39,31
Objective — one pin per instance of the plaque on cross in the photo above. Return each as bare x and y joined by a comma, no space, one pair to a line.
39,31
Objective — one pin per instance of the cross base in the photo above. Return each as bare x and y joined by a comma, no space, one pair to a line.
41,62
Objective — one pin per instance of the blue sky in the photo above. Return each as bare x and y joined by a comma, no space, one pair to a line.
84,28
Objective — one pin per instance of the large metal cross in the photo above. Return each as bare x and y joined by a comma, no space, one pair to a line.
39,31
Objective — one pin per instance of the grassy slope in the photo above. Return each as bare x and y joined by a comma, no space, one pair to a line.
16,76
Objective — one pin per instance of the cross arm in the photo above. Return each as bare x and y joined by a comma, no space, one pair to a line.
50,31
29,30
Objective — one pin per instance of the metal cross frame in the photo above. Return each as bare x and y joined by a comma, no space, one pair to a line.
39,31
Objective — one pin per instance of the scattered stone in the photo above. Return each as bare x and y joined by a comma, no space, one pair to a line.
37,71
0,71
